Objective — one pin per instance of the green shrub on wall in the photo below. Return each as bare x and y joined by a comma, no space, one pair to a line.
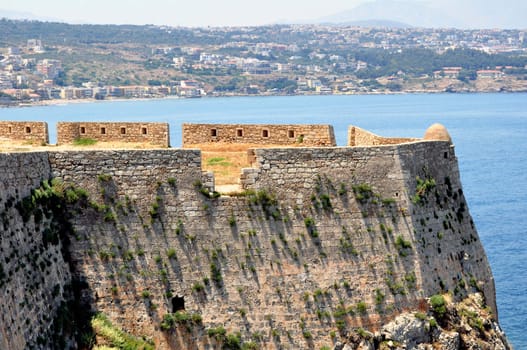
438,304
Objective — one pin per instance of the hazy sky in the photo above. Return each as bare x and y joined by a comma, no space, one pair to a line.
180,12
225,12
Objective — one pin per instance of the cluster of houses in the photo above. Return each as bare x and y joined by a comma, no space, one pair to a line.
454,72
316,61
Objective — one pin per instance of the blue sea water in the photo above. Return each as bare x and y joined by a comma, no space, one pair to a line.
489,131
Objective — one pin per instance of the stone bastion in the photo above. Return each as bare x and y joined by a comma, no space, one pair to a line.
317,243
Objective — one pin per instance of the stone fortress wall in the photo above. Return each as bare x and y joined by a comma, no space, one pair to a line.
33,273
268,134
317,231
152,133
158,133
193,134
33,132
361,137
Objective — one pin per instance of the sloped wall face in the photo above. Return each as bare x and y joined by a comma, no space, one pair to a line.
33,132
137,244
322,240
33,274
303,135
405,209
448,248
151,133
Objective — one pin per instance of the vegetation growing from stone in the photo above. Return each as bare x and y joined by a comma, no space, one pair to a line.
218,332
198,287
438,304
379,296
339,314
325,200
473,318
310,224
49,198
205,191
346,243
104,177
172,181
402,245
363,192
410,279
230,341
189,320
361,332
232,221
322,198
116,337
266,201
171,253
215,274
154,210
422,189
362,307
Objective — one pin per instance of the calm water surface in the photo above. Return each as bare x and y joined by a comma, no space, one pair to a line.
489,131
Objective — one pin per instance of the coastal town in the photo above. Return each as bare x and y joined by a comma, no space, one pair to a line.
270,60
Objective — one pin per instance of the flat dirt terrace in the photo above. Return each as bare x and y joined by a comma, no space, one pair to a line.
226,160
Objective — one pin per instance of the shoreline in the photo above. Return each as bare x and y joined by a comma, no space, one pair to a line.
59,102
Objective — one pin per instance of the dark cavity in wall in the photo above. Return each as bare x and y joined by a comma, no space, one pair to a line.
178,303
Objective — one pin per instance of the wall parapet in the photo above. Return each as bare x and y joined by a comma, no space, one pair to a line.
361,137
152,133
264,134
33,132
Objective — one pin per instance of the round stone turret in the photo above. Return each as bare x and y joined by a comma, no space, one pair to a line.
437,132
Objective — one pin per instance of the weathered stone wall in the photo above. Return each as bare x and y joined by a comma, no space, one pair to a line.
150,133
305,135
144,204
289,256
324,239
439,230
33,273
361,137
33,132
133,173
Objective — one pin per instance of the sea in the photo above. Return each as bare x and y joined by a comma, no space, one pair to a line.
489,132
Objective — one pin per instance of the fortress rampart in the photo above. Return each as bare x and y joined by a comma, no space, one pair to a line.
269,134
157,134
317,231
32,132
151,133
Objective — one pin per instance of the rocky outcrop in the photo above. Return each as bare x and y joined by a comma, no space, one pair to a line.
468,324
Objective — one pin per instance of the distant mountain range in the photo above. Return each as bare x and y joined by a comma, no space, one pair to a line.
395,12
511,14
380,23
